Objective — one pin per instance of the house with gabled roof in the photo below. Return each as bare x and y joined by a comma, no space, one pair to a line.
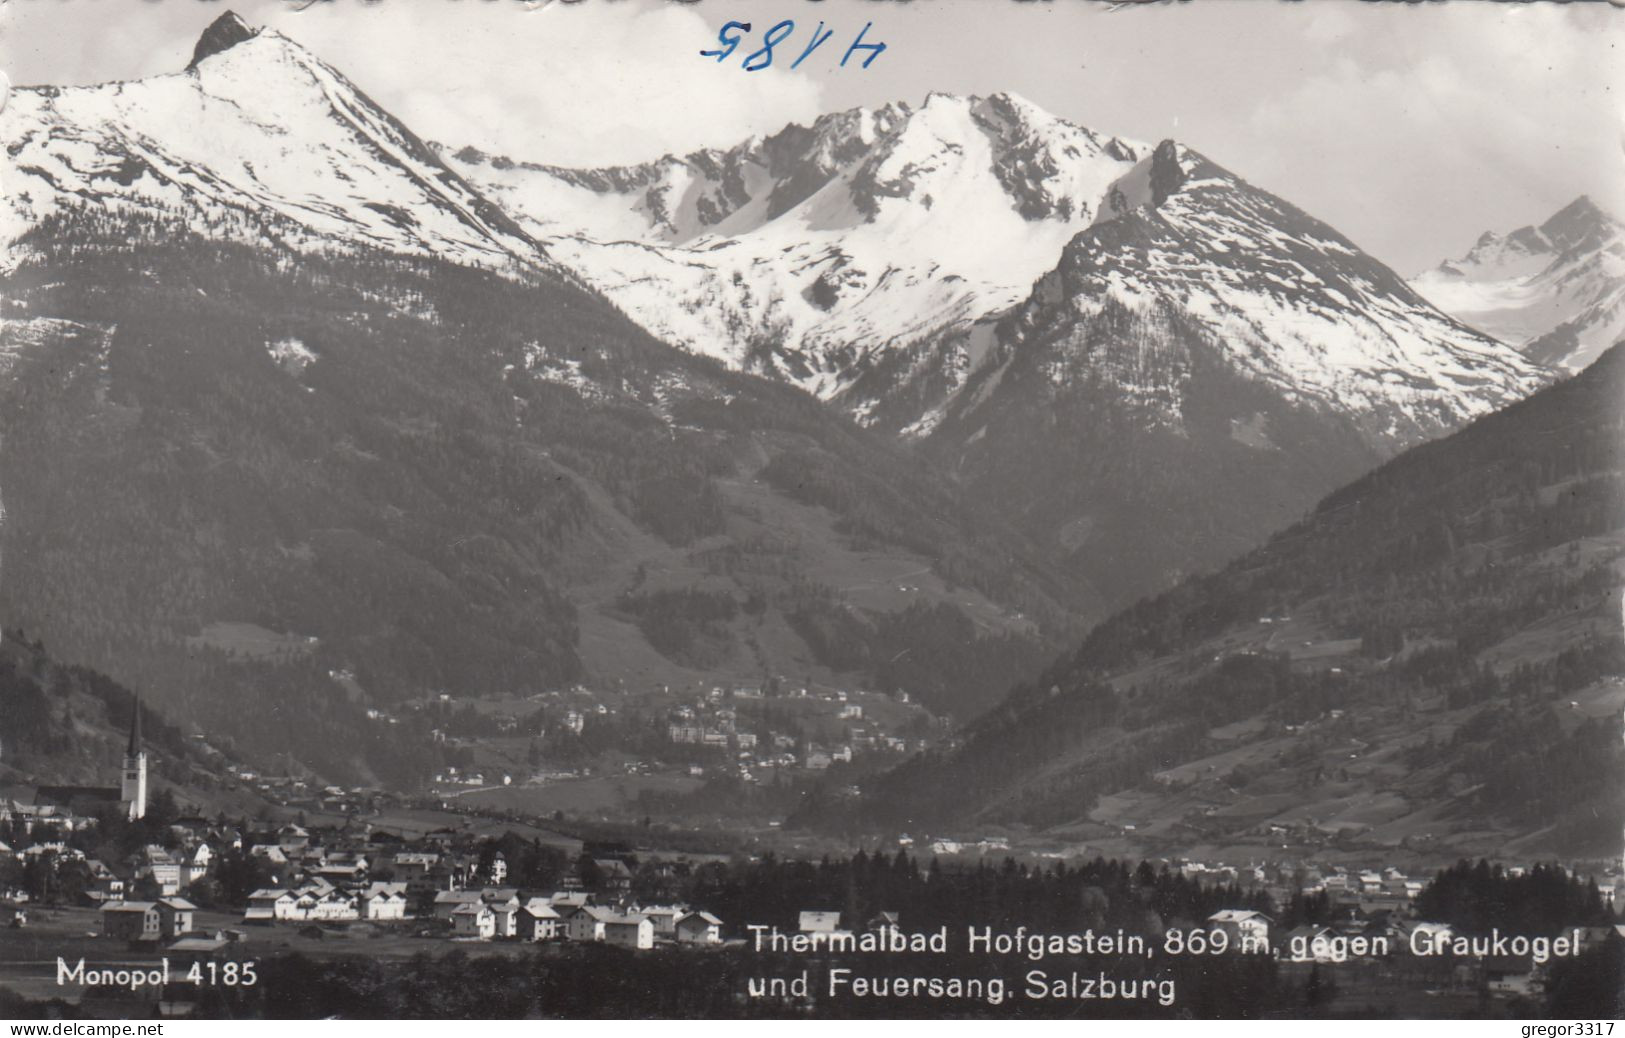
132,921
629,931
699,928
500,896
586,923
175,916
383,901
664,918
473,919
448,901
537,921
268,905
1244,927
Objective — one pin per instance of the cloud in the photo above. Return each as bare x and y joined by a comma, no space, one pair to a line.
1519,103
566,83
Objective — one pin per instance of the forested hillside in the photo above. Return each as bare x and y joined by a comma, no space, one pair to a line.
272,490
1432,659
69,725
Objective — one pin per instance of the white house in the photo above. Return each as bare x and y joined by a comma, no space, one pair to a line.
629,931
384,901
699,928
268,905
195,864
586,923
335,904
1242,926
175,915
819,922
505,920
537,921
664,918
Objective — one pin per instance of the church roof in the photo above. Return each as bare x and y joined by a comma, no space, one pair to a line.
67,796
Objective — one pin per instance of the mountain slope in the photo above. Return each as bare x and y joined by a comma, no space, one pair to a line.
1432,660
283,485
293,465
255,126
1089,332
1195,373
1556,291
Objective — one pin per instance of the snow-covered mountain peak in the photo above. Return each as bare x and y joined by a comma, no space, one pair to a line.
259,135
1282,298
1556,291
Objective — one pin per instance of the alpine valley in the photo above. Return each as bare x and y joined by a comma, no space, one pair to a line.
358,450
1429,665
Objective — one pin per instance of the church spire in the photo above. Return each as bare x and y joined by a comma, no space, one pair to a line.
133,788
135,728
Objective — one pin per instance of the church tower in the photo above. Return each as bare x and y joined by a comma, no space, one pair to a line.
133,788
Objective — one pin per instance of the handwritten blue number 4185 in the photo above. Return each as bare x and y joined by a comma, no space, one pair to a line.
733,34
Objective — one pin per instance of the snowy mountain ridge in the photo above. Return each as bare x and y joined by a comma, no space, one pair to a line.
258,128
811,253
1556,291
868,258
865,258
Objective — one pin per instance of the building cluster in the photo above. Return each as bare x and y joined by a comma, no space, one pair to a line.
456,899
497,913
724,718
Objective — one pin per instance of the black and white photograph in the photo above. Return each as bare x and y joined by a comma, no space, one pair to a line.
1006,510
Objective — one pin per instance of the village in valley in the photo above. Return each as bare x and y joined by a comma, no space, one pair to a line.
213,890
670,740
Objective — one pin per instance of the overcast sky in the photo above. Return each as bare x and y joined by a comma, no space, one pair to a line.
1411,128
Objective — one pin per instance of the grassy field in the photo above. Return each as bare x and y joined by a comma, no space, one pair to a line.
252,641
580,796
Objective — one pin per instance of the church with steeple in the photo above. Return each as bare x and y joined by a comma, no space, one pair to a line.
130,794
133,787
